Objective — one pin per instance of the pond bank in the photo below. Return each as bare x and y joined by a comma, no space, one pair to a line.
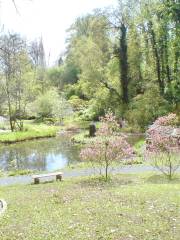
33,132
83,137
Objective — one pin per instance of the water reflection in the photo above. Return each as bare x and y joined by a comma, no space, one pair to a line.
43,155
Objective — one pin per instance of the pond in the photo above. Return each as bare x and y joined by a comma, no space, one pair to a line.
43,155
49,154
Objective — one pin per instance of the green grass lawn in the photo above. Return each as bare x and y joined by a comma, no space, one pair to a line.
128,207
32,131
75,123
35,130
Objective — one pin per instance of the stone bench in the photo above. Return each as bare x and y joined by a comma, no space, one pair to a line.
37,178
3,206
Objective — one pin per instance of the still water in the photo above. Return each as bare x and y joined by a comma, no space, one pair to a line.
43,155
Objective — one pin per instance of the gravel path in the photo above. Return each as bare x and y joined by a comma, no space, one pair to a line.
6,181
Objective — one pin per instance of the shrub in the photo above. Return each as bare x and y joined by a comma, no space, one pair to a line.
44,104
145,108
50,105
108,146
77,103
163,145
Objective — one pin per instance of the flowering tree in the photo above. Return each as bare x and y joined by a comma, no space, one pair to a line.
169,120
163,144
108,146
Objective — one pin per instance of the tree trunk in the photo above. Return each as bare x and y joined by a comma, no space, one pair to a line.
123,63
177,52
166,55
9,105
106,162
106,172
157,57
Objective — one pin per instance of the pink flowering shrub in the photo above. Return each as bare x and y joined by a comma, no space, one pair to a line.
108,146
163,145
109,125
169,120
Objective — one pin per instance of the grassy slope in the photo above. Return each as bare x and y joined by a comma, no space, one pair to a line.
129,207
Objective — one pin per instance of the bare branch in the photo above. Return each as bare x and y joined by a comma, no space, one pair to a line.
16,7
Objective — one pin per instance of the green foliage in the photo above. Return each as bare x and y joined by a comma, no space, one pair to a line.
145,108
77,103
17,80
32,132
50,104
112,59
62,75
61,109
173,92
152,55
54,76
44,104
20,172
81,138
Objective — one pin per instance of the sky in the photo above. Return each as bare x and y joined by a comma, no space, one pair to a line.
48,19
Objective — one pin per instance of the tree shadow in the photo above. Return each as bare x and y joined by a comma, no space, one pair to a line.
161,179
113,181
43,182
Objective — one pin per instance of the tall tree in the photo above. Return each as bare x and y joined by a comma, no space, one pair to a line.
14,65
37,53
120,21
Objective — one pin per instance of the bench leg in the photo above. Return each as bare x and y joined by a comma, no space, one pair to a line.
59,177
36,181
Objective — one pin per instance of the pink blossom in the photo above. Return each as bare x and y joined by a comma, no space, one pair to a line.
163,144
168,120
108,146
161,137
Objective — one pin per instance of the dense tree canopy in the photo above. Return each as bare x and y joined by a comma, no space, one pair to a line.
128,59
125,59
